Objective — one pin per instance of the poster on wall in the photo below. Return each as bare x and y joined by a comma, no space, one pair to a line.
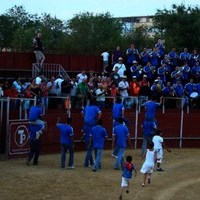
18,138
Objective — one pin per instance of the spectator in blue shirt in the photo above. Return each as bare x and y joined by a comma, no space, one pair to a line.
66,141
98,135
120,137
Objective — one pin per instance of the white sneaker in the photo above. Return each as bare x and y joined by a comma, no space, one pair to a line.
70,167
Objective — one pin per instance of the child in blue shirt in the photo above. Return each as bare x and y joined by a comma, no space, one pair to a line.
127,170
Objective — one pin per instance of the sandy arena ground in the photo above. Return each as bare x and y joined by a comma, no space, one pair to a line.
181,179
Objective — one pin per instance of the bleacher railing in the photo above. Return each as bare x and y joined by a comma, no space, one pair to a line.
49,70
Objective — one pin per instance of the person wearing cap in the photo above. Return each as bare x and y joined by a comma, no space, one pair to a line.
121,67
134,89
135,71
149,70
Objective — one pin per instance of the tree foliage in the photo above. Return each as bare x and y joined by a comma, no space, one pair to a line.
87,33
93,33
179,26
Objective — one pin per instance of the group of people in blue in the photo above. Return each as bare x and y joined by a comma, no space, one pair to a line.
178,74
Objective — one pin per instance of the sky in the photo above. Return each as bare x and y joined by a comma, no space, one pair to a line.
67,9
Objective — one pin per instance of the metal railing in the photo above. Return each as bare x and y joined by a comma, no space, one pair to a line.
49,70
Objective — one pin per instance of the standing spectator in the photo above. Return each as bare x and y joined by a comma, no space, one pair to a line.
18,85
91,114
185,56
161,49
81,76
38,50
121,67
115,77
134,89
58,82
73,92
120,137
173,57
135,69
1,92
149,70
132,54
98,135
105,56
117,53
52,92
66,141
144,56
45,94
154,57
186,73
100,96
83,93
123,87
127,169
195,71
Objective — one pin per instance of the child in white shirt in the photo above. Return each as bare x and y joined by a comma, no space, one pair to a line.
158,147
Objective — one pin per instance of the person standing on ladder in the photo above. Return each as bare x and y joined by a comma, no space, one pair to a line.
38,50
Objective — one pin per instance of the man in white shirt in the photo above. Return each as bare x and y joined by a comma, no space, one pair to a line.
100,96
80,77
121,67
105,56
123,87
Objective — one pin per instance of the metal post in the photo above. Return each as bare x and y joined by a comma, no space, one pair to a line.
181,125
1,118
163,106
7,127
136,123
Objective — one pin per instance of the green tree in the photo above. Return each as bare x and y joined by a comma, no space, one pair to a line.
140,37
179,26
91,34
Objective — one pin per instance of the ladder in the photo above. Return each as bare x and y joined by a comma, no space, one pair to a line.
49,70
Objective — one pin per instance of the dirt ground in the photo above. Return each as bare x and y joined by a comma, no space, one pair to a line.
180,180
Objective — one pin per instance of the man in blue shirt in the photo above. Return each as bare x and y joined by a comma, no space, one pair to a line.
151,107
148,129
66,141
34,143
91,114
35,118
120,137
98,135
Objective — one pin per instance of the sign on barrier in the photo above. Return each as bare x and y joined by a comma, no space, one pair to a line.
18,138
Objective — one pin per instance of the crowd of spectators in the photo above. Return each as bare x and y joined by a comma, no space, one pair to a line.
130,75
